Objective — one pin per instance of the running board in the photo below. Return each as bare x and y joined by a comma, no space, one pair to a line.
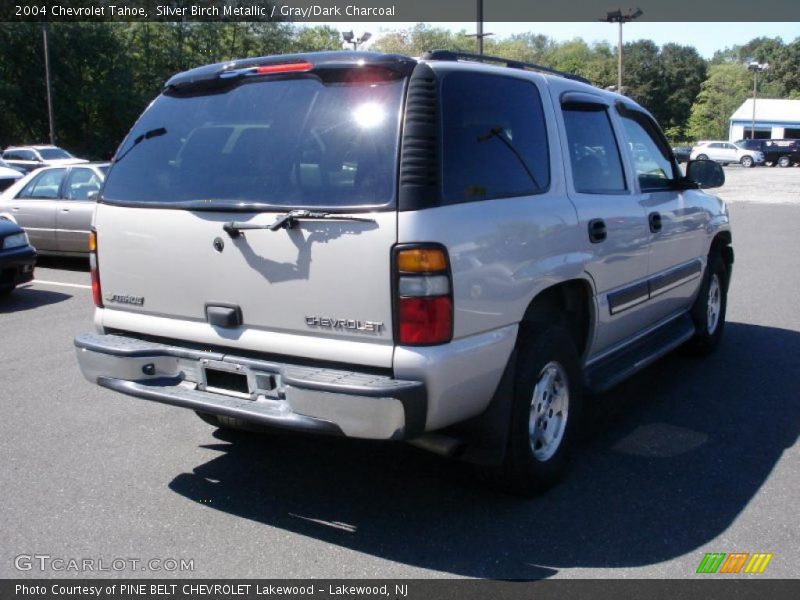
613,369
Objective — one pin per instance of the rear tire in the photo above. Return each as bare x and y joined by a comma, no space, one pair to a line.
747,162
708,311
545,413
6,290
784,162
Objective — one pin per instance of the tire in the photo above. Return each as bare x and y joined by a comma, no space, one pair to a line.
701,157
708,311
547,375
5,291
747,162
784,162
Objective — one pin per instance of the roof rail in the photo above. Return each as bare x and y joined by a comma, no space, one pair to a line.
510,63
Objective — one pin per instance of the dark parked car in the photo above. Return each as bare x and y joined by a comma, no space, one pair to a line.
17,257
682,153
783,153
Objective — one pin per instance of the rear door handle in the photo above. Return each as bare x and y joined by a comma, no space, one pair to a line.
654,219
597,231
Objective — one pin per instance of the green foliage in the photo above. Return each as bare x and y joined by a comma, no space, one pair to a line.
104,74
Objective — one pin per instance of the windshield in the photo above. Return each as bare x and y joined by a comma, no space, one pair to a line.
288,143
54,153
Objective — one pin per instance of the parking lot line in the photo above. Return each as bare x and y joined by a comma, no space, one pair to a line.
74,285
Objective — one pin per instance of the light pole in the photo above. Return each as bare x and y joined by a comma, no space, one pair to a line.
756,67
47,83
479,35
351,39
617,16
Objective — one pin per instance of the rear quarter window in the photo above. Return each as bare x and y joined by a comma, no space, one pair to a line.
494,138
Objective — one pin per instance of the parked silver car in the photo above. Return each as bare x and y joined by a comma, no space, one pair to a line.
439,250
55,206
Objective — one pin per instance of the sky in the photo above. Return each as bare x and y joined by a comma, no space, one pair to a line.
706,37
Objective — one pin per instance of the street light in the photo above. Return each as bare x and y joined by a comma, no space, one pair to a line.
617,16
48,83
756,67
479,35
351,39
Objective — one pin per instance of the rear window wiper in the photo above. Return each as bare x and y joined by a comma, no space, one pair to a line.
141,138
289,220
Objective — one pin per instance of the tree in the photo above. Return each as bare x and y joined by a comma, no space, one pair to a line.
314,39
419,39
682,72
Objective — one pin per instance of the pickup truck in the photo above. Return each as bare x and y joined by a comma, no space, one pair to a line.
783,153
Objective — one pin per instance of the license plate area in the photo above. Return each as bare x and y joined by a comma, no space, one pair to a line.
222,378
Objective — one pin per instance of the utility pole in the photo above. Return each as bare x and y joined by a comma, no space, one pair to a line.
756,67
47,80
479,35
617,16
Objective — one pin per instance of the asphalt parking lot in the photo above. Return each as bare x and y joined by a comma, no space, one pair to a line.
691,456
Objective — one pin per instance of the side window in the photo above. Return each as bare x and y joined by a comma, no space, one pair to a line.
494,138
593,150
45,185
80,183
11,155
651,157
26,155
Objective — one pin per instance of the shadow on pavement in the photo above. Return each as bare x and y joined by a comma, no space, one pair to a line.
669,460
64,263
26,298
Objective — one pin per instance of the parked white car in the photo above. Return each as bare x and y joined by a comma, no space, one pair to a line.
725,153
29,158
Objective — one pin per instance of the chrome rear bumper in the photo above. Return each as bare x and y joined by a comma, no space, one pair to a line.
281,395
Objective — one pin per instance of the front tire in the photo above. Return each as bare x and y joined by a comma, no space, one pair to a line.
701,157
747,162
5,291
545,412
708,311
784,162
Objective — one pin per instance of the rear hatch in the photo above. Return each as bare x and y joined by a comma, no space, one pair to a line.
182,225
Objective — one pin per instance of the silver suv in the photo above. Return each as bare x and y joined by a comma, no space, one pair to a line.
439,250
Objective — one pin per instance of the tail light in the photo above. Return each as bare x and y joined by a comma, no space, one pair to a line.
97,294
423,295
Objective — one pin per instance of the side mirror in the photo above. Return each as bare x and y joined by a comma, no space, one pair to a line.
705,173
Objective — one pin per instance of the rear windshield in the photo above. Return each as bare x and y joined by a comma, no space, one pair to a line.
288,143
54,153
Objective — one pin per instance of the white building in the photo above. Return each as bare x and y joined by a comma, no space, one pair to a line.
775,119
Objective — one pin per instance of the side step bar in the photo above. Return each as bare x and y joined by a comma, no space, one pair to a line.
612,369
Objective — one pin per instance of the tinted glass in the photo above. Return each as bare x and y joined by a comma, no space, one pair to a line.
290,142
593,151
80,183
494,141
651,158
54,153
44,185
